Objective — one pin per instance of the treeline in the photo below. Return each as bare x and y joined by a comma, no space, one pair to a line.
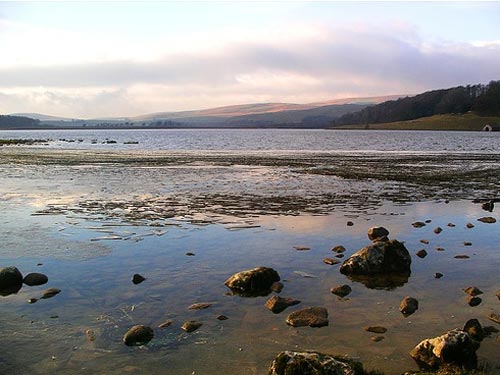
484,100
18,122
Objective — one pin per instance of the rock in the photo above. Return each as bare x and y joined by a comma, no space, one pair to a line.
467,243
90,335
277,304
331,261
487,219
32,300
256,281
463,256
424,241
137,279
191,326
189,254
10,277
428,221
488,206
469,225
376,329
339,249
138,335
301,248
51,292
377,338
35,278
418,224
222,317
199,306
339,255
349,223
165,324
341,291
313,363
438,275
494,318
378,234
474,329
310,316
451,225
473,301
277,287
408,306
438,230
473,291
377,258
422,253
453,348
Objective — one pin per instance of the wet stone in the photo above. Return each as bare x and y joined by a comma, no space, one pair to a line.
256,281
474,329
451,225
438,230
10,277
341,291
425,242
469,225
189,254
90,335
199,306
438,275
32,300
51,292
222,317
418,224
377,338
339,255
439,248
421,253
137,279
339,249
35,278
462,256
165,324
473,301
378,234
349,223
331,261
277,304
277,287
310,316
191,326
376,329
408,306
487,219
138,335
466,243
301,248
473,291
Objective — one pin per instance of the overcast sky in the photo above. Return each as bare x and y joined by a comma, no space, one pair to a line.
94,59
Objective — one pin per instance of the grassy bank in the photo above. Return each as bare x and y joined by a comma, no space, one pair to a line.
468,121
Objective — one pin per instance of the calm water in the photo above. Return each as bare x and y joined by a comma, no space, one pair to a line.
269,140
91,251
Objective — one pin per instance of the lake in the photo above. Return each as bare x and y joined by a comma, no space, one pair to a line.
188,208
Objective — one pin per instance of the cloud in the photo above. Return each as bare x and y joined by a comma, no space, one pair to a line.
322,64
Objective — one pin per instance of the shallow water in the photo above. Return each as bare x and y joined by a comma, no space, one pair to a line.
92,225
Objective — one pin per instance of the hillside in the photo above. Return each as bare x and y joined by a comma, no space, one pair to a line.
465,122
484,100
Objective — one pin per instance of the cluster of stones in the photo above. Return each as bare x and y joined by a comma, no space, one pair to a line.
12,280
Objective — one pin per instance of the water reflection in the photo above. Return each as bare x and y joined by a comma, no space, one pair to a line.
381,281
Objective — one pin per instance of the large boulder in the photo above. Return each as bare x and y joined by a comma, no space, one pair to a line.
380,257
455,347
312,363
257,281
11,280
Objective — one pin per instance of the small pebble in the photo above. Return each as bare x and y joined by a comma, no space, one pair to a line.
425,242
339,249
422,253
350,224
438,230
438,275
451,225
376,338
190,254
470,225
467,243
222,317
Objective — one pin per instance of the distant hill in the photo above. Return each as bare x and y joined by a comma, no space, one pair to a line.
484,100
41,117
18,122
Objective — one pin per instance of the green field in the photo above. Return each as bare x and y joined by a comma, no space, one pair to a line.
468,121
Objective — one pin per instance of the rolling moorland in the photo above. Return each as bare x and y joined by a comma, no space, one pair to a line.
468,107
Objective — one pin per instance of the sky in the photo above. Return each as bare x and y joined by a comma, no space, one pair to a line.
117,59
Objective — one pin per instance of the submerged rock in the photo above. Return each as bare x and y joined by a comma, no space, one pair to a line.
474,329
310,316
331,261
338,249
487,219
10,277
341,291
421,253
35,278
438,230
376,329
408,306
51,292
138,335
277,304
418,224
200,306
455,347
257,281
191,326
277,287
473,301
313,363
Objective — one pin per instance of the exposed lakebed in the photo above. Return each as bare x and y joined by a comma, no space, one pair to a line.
188,220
